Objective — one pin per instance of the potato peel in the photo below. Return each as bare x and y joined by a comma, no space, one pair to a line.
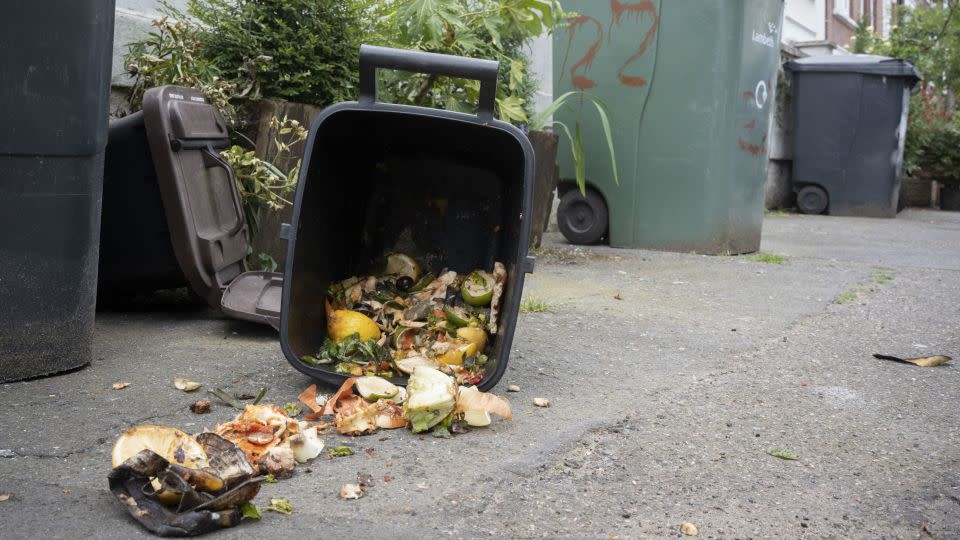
471,399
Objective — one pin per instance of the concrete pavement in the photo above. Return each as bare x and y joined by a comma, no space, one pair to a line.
671,376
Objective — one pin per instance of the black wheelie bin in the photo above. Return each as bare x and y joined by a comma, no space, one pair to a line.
850,123
54,93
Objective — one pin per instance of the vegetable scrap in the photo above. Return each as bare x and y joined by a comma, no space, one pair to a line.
689,529
541,402
351,491
185,385
430,399
178,485
388,325
175,484
200,407
783,453
119,385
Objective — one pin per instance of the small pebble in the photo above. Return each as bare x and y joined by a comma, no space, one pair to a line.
513,388
689,529
541,402
7,453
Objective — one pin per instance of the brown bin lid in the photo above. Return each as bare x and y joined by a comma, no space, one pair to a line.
202,204
254,296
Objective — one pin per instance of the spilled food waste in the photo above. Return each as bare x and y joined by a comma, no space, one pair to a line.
391,324
175,484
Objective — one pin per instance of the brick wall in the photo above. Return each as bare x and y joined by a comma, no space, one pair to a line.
843,16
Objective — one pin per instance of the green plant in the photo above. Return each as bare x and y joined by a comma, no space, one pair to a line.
882,276
262,183
575,137
769,258
535,305
173,54
846,298
298,50
488,29
929,37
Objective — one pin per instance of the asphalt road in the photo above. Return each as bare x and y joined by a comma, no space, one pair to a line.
671,377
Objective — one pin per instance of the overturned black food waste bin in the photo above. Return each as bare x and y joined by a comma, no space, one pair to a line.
54,94
850,123
452,190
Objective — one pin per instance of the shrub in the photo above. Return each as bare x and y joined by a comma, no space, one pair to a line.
492,30
297,50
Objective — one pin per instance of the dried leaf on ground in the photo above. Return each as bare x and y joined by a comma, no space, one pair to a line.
226,398
783,453
351,491
541,402
119,385
689,529
923,361
185,384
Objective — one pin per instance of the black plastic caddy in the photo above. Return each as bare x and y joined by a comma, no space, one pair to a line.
451,189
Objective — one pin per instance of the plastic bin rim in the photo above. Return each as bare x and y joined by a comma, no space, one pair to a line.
409,110
859,63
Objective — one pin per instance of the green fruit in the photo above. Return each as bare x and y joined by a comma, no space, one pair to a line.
456,316
477,289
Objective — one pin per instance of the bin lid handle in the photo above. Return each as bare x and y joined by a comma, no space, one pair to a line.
485,71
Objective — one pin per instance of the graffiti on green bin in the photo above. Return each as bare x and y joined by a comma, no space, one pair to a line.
579,70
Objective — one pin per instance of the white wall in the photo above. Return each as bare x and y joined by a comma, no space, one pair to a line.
541,67
132,22
804,20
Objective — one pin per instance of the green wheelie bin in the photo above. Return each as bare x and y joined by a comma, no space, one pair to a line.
689,85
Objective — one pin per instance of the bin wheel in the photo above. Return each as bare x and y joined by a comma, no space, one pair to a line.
582,220
812,200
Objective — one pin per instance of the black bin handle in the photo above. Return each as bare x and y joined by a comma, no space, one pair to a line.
485,71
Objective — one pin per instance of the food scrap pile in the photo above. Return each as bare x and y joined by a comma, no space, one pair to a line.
178,485
388,325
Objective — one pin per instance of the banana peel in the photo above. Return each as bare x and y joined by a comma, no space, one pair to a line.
189,501
922,361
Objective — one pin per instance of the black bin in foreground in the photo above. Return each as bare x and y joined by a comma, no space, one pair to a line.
448,188
54,94
850,122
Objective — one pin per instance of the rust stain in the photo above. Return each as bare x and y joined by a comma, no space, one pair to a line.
753,149
748,95
639,9
581,81
752,124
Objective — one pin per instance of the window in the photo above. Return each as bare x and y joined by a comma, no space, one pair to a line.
841,7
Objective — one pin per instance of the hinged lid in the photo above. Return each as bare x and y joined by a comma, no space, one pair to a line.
202,203
254,296
856,63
